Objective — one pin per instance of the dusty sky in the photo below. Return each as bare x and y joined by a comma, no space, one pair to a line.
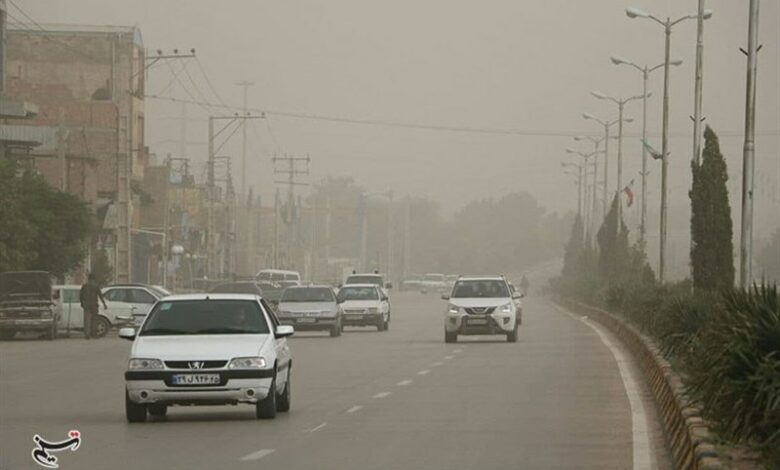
491,64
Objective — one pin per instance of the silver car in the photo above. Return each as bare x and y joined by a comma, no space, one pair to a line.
311,308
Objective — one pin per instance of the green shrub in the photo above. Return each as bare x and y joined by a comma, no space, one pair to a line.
735,371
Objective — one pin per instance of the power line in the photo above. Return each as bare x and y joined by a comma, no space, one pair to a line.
208,82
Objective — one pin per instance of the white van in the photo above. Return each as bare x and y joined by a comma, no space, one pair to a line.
278,275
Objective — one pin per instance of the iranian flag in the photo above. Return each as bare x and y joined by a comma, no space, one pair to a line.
653,152
629,194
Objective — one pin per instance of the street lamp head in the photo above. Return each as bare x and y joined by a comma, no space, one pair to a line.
599,95
707,14
618,60
632,12
569,150
587,116
676,62
628,119
579,137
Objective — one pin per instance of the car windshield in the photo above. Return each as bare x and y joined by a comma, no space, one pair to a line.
202,317
491,288
376,280
358,293
308,294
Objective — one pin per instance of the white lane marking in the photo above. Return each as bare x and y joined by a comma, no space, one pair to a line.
317,428
447,358
457,351
424,372
437,364
257,455
382,395
404,383
354,409
643,457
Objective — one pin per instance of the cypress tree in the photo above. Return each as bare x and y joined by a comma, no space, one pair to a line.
614,253
712,249
572,257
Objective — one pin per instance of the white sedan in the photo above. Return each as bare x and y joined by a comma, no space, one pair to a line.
208,349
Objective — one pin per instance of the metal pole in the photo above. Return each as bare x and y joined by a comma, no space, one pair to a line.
579,191
619,186
643,221
210,239
697,100
389,236
748,156
664,157
595,188
606,168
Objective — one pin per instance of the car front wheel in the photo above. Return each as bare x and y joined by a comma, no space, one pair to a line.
450,337
135,412
266,408
102,327
284,400
159,410
512,337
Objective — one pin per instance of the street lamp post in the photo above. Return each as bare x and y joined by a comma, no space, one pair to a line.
579,185
667,25
645,75
590,211
606,125
621,102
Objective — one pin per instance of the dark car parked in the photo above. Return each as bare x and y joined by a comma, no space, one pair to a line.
26,304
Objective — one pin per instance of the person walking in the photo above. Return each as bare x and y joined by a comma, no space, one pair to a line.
524,285
88,296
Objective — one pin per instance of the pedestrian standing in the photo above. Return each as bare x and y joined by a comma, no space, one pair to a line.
524,285
88,296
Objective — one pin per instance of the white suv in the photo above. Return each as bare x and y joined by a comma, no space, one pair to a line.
208,349
481,306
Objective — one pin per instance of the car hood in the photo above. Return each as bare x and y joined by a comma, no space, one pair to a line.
306,306
350,304
210,347
469,302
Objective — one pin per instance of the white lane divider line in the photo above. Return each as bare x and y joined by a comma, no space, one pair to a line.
354,409
457,351
404,383
317,428
643,457
381,395
437,364
447,358
424,372
257,455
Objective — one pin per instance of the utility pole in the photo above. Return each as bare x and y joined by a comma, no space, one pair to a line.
407,234
212,200
697,100
389,235
748,155
245,85
292,172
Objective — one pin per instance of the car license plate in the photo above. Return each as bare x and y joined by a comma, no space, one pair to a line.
477,321
306,320
28,322
195,379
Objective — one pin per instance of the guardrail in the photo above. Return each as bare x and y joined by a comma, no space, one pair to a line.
687,434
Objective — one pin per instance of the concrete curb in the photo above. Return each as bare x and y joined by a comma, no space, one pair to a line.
688,436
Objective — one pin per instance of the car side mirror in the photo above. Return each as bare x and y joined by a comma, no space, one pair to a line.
385,298
283,331
518,295
445,297
389,285
127,333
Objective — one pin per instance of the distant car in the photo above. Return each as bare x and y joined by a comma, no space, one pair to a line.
131,302
365,305
241,287
369,278
276,275
272,291
433,282
208,349
411,283
311,308
26,304
71,315
481,305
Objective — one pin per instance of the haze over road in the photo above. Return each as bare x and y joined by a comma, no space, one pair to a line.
369,400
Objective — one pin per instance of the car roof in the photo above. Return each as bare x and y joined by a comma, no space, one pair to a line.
312,286
66,286
148,286
481,278
205,295
374,286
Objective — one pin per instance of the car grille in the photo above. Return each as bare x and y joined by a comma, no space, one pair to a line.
358,310
480,310
186,364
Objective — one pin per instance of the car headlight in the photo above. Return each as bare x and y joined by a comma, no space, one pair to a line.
506,308
145,364
328,313
247,363
372,310
453,309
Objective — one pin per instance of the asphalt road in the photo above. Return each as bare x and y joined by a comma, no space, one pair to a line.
367,400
